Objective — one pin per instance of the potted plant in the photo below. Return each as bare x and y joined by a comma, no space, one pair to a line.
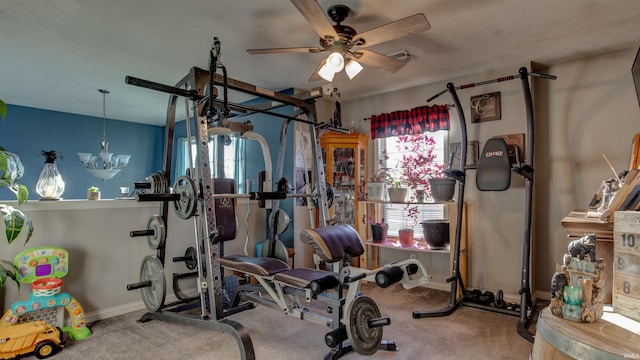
418,163
405,235
378,229
377,184
15,221
93,193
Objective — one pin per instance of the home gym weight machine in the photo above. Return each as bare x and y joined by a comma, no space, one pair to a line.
355,322
494,174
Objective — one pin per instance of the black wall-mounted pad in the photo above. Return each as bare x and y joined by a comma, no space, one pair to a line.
225,208
494,168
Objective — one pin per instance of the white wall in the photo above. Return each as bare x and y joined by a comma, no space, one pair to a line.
103,258
593,110
589,110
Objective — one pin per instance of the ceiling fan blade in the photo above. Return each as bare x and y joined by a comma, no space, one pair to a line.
285,50
393,30
315,76
316,17
379,61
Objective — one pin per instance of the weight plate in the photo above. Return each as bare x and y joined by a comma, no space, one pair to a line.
157,240
185,208
192,260
153,295
280,252
330,195
363,338
283,221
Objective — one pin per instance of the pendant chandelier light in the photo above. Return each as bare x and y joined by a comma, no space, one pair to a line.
104,165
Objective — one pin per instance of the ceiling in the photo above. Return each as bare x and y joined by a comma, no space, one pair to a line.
56,54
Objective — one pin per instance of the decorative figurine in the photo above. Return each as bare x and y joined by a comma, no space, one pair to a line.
585,245
577,291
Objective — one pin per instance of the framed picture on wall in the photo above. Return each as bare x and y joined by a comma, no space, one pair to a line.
485,107
472,154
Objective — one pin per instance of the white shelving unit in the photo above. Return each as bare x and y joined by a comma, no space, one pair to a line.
435,260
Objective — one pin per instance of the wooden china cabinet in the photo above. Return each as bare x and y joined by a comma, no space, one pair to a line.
346,171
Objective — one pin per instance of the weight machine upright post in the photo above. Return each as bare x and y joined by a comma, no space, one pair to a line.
206,230
525,290
456,278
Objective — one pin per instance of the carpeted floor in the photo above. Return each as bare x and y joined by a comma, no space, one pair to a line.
468,333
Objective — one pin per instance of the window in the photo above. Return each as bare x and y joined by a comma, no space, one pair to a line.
226,158
396,214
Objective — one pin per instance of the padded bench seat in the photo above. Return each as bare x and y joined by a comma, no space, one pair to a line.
262,266
302,278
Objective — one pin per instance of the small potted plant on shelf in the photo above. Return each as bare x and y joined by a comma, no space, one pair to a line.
378,183
378,229
93,193
405,235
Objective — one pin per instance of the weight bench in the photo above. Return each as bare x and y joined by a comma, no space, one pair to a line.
355,319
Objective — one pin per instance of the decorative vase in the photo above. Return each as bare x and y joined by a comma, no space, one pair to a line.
405,237
93,195
397,195
379,232
50,185
375,191
436,233
442,189
421,196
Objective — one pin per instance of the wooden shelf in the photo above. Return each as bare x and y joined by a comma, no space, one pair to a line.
419,246
408,203
441,271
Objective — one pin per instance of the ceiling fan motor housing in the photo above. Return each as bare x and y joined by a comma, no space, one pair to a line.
338,13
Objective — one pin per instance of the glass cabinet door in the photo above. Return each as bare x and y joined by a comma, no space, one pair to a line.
344,157
344,184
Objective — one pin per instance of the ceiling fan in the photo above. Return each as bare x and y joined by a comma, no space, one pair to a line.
345,44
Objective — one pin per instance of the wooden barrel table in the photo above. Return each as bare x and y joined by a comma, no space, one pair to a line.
604,339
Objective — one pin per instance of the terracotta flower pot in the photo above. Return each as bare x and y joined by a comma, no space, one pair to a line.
405,237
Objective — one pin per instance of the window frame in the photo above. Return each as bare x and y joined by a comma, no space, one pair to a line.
394,214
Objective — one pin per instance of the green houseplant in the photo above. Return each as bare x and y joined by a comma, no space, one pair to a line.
15,221
93,193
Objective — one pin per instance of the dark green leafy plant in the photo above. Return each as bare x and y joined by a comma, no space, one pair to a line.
15,221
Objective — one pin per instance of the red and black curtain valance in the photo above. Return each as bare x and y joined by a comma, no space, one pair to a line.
408,122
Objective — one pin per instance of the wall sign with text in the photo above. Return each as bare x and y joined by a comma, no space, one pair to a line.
485,107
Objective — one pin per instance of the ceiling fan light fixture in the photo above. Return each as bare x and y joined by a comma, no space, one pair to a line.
326,72
336,62
352,68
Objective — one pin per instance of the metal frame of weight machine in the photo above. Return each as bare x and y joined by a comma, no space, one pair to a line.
209,280
526,310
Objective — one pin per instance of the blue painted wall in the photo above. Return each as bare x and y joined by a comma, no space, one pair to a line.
27,131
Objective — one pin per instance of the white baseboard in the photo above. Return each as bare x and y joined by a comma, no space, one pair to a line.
127,308
114,311
139,305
